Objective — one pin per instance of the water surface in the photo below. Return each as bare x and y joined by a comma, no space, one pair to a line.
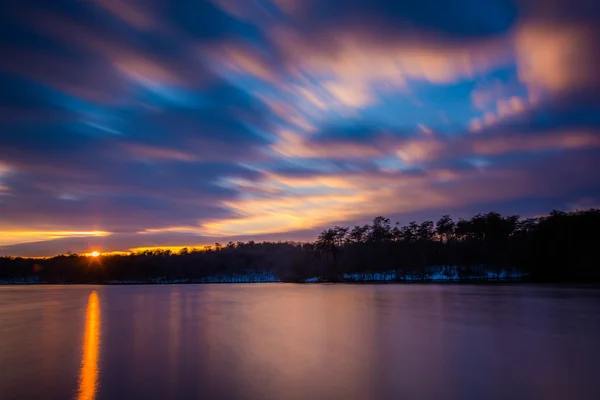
279,341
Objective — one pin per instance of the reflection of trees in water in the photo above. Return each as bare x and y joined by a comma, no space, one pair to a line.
88,375
558,247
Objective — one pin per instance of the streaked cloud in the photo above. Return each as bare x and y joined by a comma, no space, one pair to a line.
13,237
133,12
184,123
151,153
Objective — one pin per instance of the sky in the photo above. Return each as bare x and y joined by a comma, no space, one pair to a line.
128,124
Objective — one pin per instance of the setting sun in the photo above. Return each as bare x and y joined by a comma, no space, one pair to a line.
95,254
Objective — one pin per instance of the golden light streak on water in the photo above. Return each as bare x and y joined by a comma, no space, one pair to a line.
88,375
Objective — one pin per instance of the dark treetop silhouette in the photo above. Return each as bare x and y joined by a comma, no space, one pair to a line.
559,247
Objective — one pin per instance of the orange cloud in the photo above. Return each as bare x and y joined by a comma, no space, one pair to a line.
425,149
172,249
5,170
556,57
349,95
285,213
351,64
359,195
417,150
293,145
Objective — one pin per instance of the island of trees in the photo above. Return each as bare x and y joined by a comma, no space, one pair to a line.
559,247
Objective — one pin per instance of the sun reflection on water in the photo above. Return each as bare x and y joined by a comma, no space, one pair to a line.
88,375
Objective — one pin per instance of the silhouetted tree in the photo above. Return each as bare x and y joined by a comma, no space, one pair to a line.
445,228
358,234
559,247
381,230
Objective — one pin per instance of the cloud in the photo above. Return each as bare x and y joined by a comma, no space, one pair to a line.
163,167
246,10
414,151
365,51
555,57
423,149
182,122
351,96
557,46
125,242
138,62
504,109
353,67
293,145
89,56
353,196
15,237
144,152
517,143
90,80
241,57
135,13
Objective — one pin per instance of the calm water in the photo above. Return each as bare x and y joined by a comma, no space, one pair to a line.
278,341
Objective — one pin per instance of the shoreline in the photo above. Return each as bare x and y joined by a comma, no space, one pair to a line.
456,283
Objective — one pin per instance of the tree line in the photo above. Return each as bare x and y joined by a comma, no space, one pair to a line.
559,247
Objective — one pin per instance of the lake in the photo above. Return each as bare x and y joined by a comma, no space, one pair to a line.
285,341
